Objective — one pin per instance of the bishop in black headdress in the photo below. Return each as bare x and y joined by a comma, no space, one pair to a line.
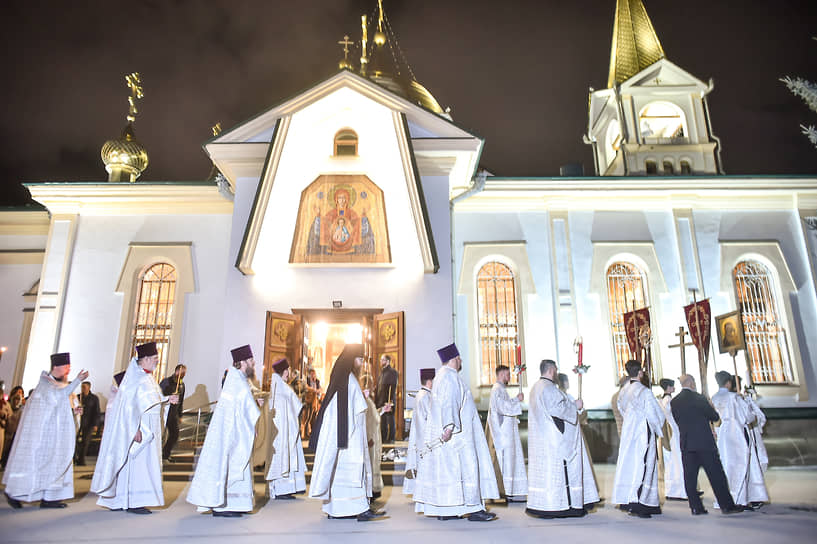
342,474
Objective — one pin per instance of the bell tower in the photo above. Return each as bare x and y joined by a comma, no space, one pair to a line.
653,118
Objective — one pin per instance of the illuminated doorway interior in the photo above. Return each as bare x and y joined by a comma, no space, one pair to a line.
324,341
313,339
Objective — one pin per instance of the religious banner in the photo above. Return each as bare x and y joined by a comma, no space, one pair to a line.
634,323
341,219
699,318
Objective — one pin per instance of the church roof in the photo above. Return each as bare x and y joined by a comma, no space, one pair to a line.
635,43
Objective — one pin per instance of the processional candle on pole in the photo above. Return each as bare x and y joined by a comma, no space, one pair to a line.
520,369
580,368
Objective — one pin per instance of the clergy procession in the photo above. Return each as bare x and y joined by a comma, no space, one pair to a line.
455,467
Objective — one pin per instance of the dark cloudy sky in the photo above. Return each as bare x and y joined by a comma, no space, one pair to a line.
515,72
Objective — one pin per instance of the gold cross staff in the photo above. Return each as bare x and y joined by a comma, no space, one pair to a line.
681,334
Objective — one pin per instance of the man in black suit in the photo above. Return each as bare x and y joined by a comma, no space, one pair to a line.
173,385
694,413
88,422
386,391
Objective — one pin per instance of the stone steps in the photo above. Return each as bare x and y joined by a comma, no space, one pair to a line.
181,470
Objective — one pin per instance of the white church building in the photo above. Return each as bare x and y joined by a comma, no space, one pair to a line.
357,212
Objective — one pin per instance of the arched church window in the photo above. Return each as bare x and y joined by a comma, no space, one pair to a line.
669,168
651,167
661,122
154,311
498,324
686,168
346,143
626,290
765,336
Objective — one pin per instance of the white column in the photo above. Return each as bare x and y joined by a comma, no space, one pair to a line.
45,329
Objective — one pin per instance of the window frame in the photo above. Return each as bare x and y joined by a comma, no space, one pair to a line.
756,367
338,141
770,254
644,255
166,339
612,323
652,139
488,377
140,256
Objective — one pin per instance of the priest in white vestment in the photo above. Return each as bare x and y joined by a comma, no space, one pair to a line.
422,407
635,487
502,432
223,481
374,437
40,466
560,480
128,474
286,469
671,447
743,470
455,474
756,434
341,474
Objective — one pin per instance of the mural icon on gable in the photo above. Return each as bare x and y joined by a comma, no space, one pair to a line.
341,219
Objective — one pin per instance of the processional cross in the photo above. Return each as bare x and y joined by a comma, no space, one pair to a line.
346,42
681,334
134,83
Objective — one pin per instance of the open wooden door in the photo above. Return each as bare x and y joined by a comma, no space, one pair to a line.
284,338
389,339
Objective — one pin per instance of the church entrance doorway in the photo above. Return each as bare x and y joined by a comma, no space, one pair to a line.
313,338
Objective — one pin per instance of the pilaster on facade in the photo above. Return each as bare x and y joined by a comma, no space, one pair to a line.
47,320
565,314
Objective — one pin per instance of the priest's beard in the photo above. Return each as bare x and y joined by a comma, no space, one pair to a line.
249,372
62,379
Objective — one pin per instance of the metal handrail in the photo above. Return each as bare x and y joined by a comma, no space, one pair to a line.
198,419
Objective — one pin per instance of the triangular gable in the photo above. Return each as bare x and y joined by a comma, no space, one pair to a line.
275,151
260,127
241,151
663,73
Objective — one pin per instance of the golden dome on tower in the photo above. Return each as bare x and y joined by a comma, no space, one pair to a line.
126,155
125,158
384,63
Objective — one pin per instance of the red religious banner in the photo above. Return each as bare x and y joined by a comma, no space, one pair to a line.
633,323
699,318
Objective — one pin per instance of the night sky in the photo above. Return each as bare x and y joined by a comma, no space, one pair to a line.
515,73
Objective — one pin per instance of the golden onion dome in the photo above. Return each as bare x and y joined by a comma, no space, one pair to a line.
408,89
125,155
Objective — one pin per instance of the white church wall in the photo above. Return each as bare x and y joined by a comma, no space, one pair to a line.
91,319
15,279
647,239
401,285
782,227
537,317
